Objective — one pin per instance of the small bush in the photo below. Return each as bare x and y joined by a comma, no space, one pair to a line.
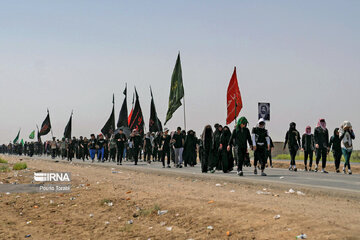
105,201
3,161
4,169
19,166
149,211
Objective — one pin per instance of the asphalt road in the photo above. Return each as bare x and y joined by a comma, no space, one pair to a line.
275,176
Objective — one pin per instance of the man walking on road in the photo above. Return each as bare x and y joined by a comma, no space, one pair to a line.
261,141
178,141
240,137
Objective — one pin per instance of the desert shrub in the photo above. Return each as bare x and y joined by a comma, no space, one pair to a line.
19,166
3,161
4,168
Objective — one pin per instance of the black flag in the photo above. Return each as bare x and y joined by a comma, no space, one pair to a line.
46,125
109,126
137,121
67,131
154,122
123,116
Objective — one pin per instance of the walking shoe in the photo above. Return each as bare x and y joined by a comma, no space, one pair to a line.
240,173
349,171
290,168
263,174
295,169
344,171
316,168
180,166
323,171
310,169
255,171
120,164
212,171
305,169
337,170
168,166
271,166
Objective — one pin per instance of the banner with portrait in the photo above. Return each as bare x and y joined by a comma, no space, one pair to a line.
264,111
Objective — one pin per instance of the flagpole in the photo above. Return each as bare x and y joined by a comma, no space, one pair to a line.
235,110
184,113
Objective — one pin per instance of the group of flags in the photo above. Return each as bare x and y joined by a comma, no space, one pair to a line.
135,119
45,129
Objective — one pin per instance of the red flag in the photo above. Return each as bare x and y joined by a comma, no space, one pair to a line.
234,102
130,115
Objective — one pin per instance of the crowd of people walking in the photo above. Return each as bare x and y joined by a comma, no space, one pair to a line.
217,148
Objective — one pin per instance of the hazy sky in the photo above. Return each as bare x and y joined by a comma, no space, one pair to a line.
301,56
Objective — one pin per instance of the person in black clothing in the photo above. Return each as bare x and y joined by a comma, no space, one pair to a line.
75,146
112,148
216,163
106,147
81,148
178,146
100,146
240,138
136,140
292,138
335,143
92,147
268,153
225,156
165,147
308,146
70,150
260,141
31,149
158,145
147,148
154,151
190,149
321,137
86,149
207,142
120,142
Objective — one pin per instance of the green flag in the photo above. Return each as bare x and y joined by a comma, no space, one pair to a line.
17,138
32,135
22,142
176,90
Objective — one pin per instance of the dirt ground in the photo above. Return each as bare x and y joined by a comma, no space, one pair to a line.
193,205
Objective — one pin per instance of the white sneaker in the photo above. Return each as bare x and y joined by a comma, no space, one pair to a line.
349,171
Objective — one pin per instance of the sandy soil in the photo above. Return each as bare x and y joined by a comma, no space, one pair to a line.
193,205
